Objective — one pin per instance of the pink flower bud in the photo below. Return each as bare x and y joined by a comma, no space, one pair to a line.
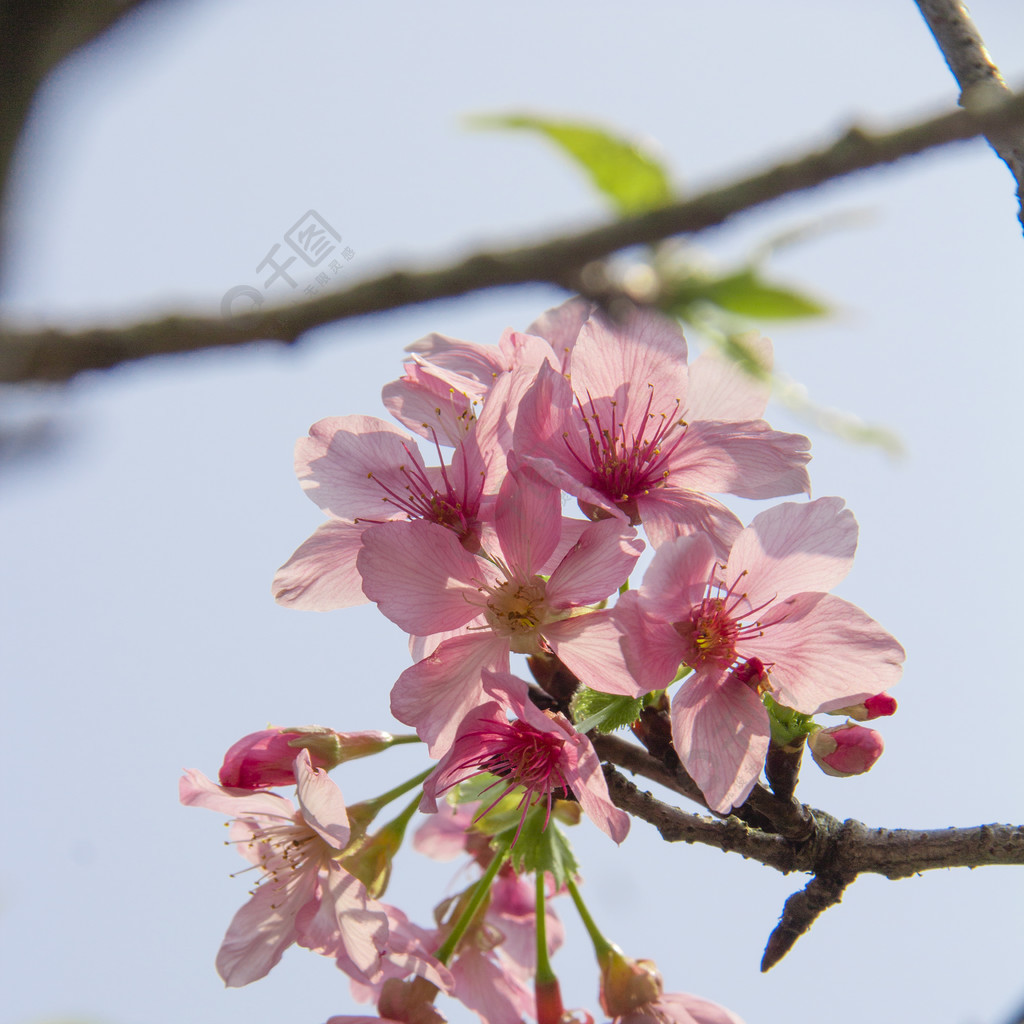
845,749
265,758
879,706
627,984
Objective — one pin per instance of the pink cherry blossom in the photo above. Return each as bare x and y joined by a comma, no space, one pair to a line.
303,895
497,602
364,471
539,752
613,432
763,622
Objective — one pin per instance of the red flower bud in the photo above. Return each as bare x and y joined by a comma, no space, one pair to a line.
845,749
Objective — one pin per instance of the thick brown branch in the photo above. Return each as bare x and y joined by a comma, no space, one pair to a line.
834,847
833,852
54,355
980,81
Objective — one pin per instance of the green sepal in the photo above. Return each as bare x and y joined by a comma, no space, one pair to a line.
632,180
543,849
786,724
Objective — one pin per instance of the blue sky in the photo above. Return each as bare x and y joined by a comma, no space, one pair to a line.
161,168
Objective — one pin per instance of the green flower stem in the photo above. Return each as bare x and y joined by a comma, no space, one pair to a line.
544,972
483,888
406,737
602,947
369,809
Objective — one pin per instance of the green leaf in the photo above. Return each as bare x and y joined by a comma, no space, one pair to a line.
605,712
544,849
747,294
630,178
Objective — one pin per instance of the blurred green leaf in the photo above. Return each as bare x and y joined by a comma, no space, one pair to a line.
747,294
542,846
630,178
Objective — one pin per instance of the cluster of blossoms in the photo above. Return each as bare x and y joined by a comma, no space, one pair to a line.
475,560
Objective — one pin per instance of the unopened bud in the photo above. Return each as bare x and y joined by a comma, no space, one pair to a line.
265,758
879,706
845,749
627,984
411,1002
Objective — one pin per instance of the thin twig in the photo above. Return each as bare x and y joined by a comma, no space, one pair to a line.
57,355
981,83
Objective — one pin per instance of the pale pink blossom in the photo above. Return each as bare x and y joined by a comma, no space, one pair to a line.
267,758
538,752
761,623
845,750
498,602
363,471
613,431
302,895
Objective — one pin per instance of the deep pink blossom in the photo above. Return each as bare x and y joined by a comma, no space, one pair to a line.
303,895
881,705
538,752
497,603
614,432
767,607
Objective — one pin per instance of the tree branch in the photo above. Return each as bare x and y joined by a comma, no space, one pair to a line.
981,84
57,355
833,852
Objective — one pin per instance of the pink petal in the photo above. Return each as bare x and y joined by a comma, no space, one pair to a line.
652,649
322,573
720,731
333,464
360,922
644,355
793,548
436,693
670,512
321,802
420,576
196,790
720,389
561,326
467,358
263,929
588,783
677,577
745,458
528,520
590,647
825,653
596,566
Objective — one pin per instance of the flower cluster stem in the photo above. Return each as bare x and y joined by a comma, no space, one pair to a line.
602,947
480,892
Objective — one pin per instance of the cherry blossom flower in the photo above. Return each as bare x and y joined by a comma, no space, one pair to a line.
303,895
762,623
614,433
493,604
363,471
537,751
